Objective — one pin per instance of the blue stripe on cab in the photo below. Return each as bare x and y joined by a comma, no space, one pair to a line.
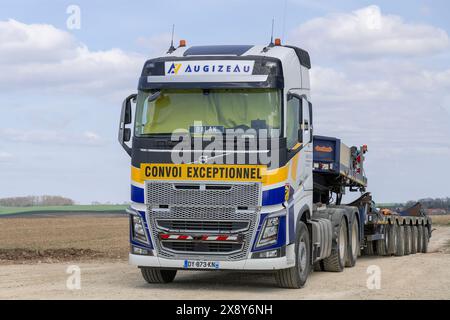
137,194
273,196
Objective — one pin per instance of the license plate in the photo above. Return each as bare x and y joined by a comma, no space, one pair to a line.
196,264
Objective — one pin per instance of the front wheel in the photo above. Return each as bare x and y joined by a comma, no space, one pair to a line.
155,275
296,276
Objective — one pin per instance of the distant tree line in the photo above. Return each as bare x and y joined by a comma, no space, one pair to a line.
429,203
31,201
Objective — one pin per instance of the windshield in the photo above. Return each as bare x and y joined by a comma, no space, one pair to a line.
201,110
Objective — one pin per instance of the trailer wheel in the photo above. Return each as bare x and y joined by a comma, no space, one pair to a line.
369,249
353,244
414,239
296,276
336,262
155,275
393,233
400,241
419,239
425,239
382,245
408,239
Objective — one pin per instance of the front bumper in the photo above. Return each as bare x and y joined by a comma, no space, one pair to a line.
247,264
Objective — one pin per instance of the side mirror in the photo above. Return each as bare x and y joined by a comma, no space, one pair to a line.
300,135
126,117
128,114
127,134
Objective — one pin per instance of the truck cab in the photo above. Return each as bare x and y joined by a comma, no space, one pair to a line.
222,172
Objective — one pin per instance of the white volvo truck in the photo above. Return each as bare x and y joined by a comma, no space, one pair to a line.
267,195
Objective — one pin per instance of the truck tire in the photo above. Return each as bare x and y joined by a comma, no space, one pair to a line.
353,244
296,276
425,239
414,239
400,250
393,233
419,239
382,245
336,261
369,249
155,275
408,239
318,266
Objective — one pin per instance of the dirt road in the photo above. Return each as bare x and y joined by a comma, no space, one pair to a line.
420,276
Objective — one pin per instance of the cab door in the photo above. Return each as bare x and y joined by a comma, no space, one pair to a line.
299,140
306,158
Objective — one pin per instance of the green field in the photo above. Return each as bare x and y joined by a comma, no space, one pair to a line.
75,208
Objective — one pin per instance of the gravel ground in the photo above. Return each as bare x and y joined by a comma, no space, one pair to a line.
108,276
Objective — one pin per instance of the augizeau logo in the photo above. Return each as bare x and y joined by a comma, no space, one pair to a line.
210,67
174,68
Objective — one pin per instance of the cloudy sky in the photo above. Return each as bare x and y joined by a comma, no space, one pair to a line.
381,76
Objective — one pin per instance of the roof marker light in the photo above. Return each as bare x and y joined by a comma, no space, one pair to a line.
278,42
182,43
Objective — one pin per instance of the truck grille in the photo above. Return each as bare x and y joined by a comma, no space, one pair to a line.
202,194
200,209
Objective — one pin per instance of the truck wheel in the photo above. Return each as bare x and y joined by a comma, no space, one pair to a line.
382,245
296,276
336,262
414,239
400,241
425,239
392,238
419,239
408,239
154,275
369,249
353,244
318,266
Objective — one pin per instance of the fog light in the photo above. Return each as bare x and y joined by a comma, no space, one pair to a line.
140,251
275,253
269,254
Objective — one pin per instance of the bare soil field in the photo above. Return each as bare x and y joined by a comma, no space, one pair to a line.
53,238
36,252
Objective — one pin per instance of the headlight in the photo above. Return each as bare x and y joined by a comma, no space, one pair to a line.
138,229
269,234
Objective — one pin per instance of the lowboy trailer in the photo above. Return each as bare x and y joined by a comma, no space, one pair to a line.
268,195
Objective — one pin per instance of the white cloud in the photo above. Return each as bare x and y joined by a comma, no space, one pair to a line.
5,156
92,136
368,32
396,106
40,56
157,44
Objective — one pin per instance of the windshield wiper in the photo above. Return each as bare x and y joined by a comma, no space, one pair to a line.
155,96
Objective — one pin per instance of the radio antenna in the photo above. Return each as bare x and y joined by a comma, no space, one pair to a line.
172,48
271,36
